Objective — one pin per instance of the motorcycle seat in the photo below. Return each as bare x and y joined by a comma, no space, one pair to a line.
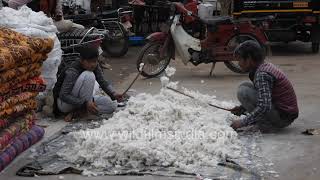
217,20
80,17
74,33
110,13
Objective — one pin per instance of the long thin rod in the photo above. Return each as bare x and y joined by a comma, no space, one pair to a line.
177,91
134,80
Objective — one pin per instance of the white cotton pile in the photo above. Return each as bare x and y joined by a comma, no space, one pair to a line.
164,81
35,24
25,18
204,98
170,71
141,65
166,129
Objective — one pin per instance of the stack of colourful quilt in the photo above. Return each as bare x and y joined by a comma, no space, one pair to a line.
21,58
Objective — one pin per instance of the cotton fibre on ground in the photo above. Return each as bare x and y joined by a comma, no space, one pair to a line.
166,129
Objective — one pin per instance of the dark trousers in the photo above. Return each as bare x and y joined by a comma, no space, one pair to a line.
274,119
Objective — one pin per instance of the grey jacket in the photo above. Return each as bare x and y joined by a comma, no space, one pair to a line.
71,76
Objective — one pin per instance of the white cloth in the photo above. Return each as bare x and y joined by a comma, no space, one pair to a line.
85,4
35,24
66,25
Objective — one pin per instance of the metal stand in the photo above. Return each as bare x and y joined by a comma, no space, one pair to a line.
212,68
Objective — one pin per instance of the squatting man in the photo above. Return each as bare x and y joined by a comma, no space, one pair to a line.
74,88
269,100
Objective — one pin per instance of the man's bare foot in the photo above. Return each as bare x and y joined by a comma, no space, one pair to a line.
80,113
69,117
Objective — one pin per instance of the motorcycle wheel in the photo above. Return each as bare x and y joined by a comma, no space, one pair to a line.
150,56
117,44
233,43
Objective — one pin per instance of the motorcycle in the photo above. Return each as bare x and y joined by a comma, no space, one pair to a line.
222,36
116,42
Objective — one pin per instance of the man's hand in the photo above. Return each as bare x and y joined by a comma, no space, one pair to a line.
92,107
238,110
236,124
118,97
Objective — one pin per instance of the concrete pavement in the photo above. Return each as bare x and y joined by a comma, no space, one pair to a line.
295,156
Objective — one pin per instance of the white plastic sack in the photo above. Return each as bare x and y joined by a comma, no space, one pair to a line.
35,24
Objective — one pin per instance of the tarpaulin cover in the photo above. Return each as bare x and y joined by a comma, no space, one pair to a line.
48,162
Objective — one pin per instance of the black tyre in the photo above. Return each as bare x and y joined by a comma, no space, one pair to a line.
150,56
315,47
233,43
117,44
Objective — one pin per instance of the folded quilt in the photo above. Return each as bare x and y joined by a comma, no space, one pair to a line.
6,122
25,106
20,144
14,100
11,74
36,84
38,45
15,129
12,56
6,87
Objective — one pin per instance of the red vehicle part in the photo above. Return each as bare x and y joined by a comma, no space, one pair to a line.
162,38
157,36
218,40
192,6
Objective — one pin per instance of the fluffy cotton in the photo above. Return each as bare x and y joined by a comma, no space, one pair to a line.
141,65
164,81
170,71
166,129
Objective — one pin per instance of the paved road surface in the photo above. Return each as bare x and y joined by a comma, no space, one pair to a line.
294,155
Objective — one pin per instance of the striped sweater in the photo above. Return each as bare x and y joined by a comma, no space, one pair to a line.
273,88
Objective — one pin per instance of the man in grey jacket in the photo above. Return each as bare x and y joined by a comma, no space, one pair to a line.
77,85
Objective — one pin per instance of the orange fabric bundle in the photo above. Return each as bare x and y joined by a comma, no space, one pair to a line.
6,87
12,56
28,105
38,45
14,100
35,84
19,50
19,71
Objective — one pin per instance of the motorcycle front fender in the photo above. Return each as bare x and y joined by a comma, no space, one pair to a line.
157,36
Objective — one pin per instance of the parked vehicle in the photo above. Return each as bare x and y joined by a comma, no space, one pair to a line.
223,35
294,19
116,43
70,42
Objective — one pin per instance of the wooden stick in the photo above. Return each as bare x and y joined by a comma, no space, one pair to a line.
140,71
195,98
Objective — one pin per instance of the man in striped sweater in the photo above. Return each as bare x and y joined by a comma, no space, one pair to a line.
270,100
